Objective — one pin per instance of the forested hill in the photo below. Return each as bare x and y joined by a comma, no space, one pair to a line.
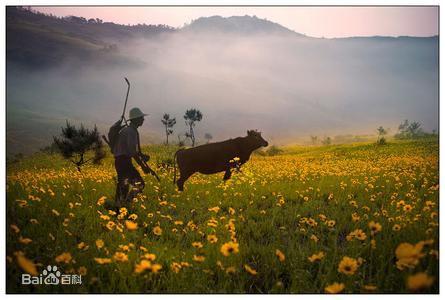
36,40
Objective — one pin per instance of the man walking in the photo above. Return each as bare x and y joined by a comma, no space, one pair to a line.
126,148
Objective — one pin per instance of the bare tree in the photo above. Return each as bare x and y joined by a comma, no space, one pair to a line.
326,141
381,137
168,123
314,139
191,117
409,130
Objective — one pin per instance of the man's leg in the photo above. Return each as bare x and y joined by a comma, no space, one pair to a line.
122,192
136,189
137,186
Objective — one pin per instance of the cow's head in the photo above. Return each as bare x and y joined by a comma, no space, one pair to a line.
256,138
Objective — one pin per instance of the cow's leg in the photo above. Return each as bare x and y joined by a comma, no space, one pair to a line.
184,176
227,174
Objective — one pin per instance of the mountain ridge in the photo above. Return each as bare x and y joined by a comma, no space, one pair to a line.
36,40
238,24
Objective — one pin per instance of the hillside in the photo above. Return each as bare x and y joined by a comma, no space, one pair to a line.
37,41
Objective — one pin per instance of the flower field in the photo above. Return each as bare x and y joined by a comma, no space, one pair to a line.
357,218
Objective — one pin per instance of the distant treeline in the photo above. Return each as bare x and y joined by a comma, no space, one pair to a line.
406,130
26,13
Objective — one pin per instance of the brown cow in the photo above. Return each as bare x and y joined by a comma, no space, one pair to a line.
217,157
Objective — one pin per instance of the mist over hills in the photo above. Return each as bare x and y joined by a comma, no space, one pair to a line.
242,72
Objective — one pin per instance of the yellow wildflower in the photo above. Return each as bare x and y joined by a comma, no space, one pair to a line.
99,243
155,268
131,225
250,270
198,258
26,264
214,209
120,256
82,246
316,256
407,208
147,265
25,241
357,234
348,265
102,261
355,217
15,228
331,223
334,288
110,225
176,267
101,200
369,287
229,248
157,230
396,227
375,227
82,271
133,217
408,255
197,245
64,257
280,255
419,281
314,238
150,256
212,238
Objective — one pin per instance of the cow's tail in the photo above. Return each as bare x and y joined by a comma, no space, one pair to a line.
174,162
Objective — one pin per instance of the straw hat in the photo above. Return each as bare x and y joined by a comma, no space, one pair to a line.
136,113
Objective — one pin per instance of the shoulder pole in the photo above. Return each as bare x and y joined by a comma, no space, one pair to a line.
126,99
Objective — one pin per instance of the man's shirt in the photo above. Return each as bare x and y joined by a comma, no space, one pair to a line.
127,143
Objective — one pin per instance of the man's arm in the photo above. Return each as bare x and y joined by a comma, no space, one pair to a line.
141,163
139,157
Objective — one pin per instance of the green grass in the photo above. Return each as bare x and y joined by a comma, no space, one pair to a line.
267,203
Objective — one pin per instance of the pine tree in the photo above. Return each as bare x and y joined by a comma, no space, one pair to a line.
75,145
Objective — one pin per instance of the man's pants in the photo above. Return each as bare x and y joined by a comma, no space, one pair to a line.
127,177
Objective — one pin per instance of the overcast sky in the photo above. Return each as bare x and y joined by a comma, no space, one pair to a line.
313,21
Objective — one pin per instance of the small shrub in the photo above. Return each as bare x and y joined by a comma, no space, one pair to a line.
273,150
381,141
